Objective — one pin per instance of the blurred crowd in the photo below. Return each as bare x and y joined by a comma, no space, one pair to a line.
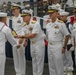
42,6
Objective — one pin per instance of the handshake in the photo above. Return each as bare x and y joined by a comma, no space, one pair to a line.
18,46
19,36
22,42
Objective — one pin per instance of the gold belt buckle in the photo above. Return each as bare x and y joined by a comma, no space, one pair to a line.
33,42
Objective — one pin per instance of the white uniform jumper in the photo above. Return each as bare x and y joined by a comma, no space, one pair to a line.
5,34
67,58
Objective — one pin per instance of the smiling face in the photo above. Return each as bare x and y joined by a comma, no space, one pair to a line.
26,19
16,11
63,18
53,15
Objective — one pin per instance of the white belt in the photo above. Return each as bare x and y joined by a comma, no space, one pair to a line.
54,42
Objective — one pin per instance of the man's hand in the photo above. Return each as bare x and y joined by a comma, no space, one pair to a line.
16,36
25,43
19,36
18,46
20,40
63,50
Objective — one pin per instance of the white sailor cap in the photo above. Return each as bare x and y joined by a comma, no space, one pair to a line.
52,8
2,14
58,6
60,10
14,6
64,13
25,13
28,5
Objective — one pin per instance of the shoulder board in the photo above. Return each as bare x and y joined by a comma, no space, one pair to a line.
33,22
60,21
24,24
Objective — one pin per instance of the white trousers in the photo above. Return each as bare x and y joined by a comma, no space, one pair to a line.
67,61
75,56
2,63
19,60
37,54
55,59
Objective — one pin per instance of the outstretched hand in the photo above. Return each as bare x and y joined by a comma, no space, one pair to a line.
18,46
18,36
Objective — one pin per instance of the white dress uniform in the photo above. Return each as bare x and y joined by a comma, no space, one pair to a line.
5,34
67,58
37,46
74,25
74,35
55,32
18,54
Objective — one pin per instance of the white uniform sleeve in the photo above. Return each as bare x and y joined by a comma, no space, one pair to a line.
9,36
36,28
64,30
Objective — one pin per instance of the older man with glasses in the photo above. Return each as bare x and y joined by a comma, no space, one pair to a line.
55,31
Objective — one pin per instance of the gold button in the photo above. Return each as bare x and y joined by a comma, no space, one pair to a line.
33,42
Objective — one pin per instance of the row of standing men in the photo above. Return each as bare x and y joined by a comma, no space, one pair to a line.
26,28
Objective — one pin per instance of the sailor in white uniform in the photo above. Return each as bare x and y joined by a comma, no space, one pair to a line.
67,58
5,34
18,54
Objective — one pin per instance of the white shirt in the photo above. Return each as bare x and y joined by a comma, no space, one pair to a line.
56,31
17,24
35,29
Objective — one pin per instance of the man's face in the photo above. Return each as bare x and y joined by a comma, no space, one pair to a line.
53,15
63,18
15,11
26,18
